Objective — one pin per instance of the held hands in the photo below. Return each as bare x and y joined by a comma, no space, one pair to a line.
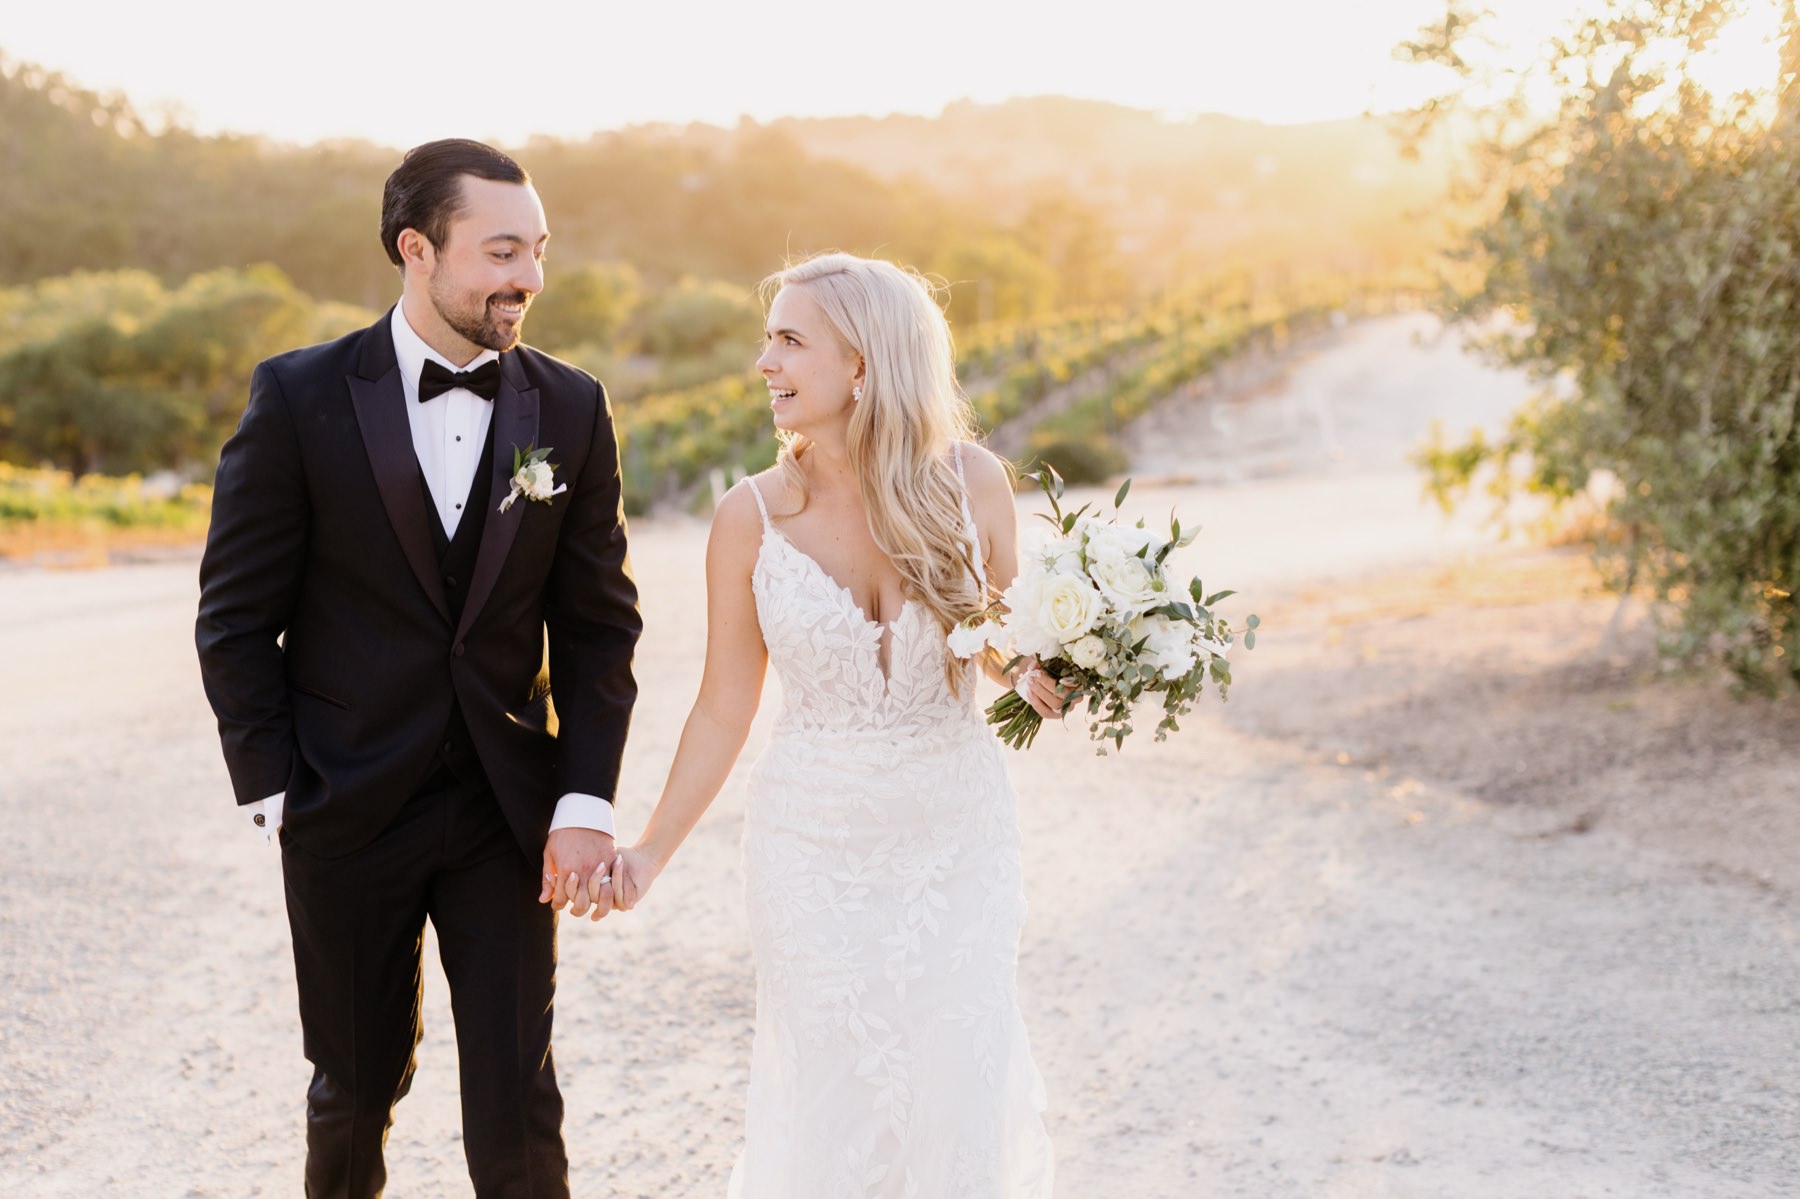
582,871
576,862
633,872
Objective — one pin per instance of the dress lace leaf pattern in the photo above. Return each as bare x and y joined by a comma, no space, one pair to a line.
881,867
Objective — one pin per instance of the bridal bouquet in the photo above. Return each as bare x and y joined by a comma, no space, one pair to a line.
1096,607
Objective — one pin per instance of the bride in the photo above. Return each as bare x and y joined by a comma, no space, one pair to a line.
881,842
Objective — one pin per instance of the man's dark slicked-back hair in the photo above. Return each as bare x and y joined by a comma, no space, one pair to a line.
425,191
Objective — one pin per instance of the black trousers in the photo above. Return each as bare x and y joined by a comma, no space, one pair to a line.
358,923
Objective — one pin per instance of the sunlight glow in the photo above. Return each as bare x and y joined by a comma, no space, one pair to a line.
398,75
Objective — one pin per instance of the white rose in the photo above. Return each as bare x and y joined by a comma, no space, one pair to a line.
1067,607
1170,644
1087,652
1130,584
968,640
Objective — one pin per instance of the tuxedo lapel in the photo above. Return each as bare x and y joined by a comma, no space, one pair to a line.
380,402
515,425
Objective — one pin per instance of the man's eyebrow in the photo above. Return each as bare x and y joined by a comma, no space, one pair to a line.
514,238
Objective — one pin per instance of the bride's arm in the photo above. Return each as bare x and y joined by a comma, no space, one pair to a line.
730,688
996,516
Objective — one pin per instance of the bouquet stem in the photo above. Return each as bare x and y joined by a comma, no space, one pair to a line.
1019,722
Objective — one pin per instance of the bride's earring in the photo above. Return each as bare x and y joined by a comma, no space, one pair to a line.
856,394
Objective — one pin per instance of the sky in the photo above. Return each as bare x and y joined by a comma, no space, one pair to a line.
403,73
399,74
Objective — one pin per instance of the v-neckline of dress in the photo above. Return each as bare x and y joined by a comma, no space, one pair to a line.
887,630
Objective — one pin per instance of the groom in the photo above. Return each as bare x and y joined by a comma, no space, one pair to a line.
379,634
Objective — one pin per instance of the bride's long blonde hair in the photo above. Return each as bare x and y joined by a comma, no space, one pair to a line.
901,431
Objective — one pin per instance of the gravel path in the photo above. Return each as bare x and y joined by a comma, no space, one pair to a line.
1258,964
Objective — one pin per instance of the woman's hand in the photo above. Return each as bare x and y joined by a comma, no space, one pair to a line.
633,871
1046,695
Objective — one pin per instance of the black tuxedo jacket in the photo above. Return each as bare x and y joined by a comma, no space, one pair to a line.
327,647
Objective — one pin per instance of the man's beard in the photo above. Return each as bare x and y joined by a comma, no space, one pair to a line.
481,328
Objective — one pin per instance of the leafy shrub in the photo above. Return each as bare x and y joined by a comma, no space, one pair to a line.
1645,239
1093,458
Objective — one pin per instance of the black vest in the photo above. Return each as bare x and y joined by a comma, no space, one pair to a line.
457,763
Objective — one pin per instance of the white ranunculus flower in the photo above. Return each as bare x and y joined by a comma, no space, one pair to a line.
1087,652
1068,606
1170,644
968,640
1129,583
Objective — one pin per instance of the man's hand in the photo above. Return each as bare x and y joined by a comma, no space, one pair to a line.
572,856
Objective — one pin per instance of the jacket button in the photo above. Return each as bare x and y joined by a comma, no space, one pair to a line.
450,581
457,649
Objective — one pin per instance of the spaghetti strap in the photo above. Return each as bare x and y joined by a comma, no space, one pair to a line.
760,506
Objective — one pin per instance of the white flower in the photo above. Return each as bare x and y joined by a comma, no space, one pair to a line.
1068,606
536,481
1059,555
1105,541
1170,644
1028,633
533,477
1129,583
1087,652
968,640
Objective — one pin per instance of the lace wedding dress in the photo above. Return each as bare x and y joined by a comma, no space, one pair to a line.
881,858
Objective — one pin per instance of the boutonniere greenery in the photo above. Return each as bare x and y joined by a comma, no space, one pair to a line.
532,477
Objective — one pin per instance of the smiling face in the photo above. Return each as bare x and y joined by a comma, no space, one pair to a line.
809,369
478,285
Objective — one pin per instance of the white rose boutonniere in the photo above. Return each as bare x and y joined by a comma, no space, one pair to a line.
533,477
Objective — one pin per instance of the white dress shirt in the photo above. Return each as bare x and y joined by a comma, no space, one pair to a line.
448,432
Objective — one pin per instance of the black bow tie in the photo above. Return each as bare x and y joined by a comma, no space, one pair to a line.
437,378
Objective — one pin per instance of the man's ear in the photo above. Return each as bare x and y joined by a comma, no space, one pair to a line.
415,247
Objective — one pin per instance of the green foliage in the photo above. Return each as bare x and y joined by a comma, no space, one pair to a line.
1091,459
157,379
996,278
588,305
1643,242
1179,346
695,316
54,498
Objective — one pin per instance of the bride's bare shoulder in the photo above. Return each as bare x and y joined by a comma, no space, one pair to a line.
777,491
738,516
990,478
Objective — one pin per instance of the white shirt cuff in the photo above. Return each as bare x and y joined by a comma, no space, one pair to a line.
265,815
576,810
